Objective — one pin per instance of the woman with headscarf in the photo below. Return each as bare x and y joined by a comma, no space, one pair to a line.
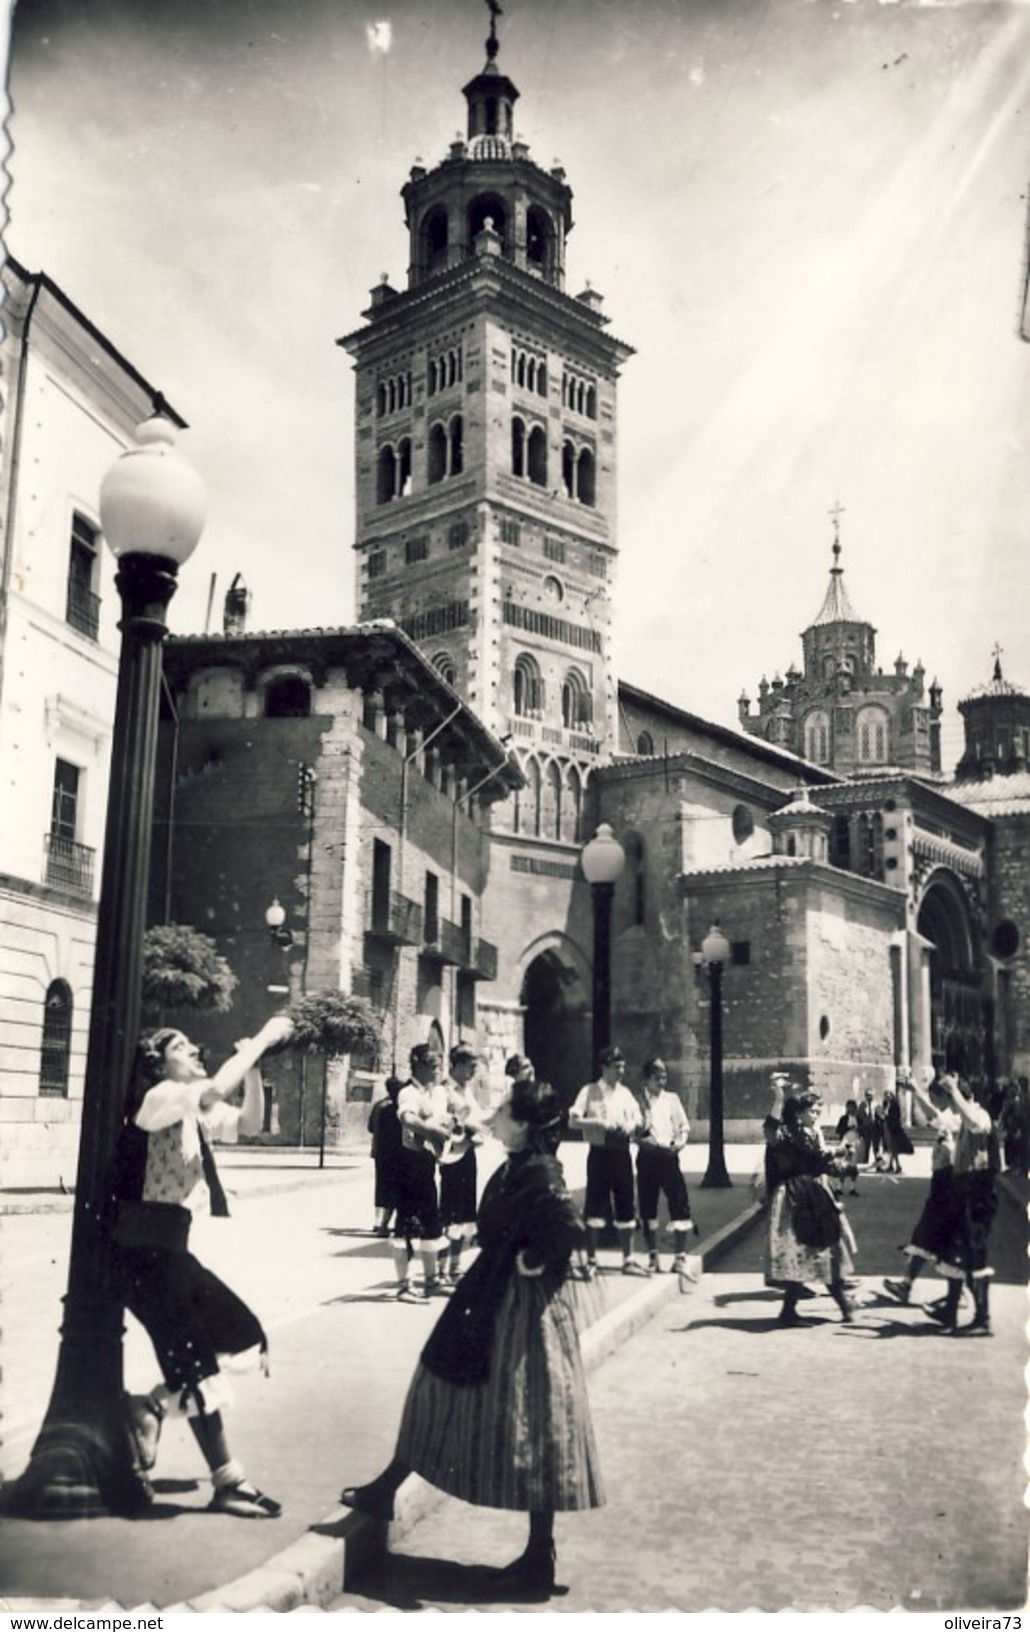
497,1412
809,1238
162,1175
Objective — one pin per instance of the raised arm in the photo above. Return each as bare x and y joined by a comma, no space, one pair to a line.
234,1072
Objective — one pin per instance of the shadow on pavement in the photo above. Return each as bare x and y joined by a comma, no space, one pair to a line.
401,1581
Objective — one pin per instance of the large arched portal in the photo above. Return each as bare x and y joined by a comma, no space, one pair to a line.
556,1025
956,999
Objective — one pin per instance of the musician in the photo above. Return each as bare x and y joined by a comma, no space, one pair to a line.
426,1127
458,1174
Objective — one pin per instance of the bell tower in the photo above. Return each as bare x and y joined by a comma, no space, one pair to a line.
486,454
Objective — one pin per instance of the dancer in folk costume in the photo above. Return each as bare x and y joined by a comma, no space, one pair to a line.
162,1175
809,1238
497,1412
663,1136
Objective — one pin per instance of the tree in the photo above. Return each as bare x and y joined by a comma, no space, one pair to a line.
333,1024
183,969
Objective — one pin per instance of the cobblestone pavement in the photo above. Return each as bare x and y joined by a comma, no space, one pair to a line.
748,1467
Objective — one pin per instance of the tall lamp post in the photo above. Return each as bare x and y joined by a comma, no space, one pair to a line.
602,859
152,508
715,951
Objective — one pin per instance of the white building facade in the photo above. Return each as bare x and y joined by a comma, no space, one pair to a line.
70,403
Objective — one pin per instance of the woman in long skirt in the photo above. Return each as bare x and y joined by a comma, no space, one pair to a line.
497,1413
809,1238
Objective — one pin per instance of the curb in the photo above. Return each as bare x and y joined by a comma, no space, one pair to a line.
313,1571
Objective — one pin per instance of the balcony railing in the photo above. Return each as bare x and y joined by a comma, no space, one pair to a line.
393,917
483,960
83,610
69,866
448,944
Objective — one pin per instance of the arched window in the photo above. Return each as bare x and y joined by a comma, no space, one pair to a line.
488,207
386,475
404,468
572,807
550,803
434,238
538,240
381,398
55,1055
527,686
437,453
817,737
586,478
457,453
871,726
576,702
645,743
531,799
591,406
288,698
518,448
443,663
537,456
568,470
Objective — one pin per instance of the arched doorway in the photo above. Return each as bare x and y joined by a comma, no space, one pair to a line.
555,1020
956,997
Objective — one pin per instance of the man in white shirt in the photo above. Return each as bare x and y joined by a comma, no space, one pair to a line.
458,1168
664,1134
426,1127
609,1116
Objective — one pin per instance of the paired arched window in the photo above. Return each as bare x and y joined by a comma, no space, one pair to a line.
444,370
393,394
817,737
527,686
529,451
872,736
579,474
528,371
446,449
55,1055
579,395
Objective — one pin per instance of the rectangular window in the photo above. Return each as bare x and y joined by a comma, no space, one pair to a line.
82,609
740,952
511,530
377,564
431,932
380,884
554,549
65,804
416,549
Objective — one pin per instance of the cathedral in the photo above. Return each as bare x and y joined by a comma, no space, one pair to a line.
400,808
873,912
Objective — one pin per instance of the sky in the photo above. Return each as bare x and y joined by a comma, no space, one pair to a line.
808,217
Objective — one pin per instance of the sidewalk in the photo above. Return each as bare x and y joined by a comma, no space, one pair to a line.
340,1389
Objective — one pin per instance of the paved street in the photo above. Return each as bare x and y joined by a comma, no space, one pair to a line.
876,1465
888,1426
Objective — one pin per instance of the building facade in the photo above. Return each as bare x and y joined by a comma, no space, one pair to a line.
71,402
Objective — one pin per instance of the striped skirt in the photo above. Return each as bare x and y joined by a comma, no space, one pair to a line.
523,1440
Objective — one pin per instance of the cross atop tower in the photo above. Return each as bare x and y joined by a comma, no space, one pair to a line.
837,511
996,654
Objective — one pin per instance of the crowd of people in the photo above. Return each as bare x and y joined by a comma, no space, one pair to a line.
497,1412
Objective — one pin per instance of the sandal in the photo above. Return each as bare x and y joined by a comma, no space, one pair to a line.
244,1501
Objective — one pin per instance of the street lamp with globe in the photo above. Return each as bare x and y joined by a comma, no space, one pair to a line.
152,511
602,859
715,952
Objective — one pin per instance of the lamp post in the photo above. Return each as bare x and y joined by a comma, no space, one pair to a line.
152,506
715,951
275,918
602,859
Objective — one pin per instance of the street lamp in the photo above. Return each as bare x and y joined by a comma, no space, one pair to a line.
715,951
152,507
602,859
275,918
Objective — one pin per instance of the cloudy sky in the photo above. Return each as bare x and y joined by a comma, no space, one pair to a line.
809,218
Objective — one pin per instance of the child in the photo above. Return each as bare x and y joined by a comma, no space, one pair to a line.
385,1129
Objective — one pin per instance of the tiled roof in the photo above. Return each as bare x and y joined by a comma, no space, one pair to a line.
995,796
836,607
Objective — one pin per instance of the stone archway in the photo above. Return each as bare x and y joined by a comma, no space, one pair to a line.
956,996
555,1018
